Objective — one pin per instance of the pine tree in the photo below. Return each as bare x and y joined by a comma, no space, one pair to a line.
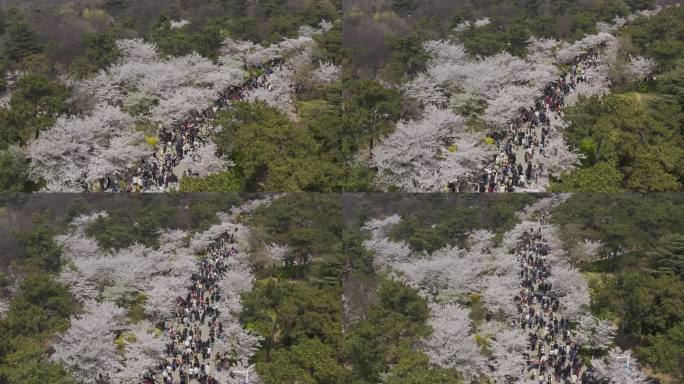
668,255
22,40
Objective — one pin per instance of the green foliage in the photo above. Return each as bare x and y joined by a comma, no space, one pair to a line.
629,220
288,312
100,52
114,7
668,255
385,337
270,21
414,368
129,225
330,47
601,177
40,309
311,226
441,221
633,134
641,288
35,103
226,181
22,40
513,23
484,41
27,365
14,172
310,361
273,154
205,38
369,111
408,58
666,351
40,250
659,37
646,305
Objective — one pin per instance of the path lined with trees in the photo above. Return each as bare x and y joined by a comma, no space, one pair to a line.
161,171
553,355
195,325
523,149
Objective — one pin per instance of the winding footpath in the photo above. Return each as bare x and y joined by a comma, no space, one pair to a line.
195,326
160,172
552,357
519,163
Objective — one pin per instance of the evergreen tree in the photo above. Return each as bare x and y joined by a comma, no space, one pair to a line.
668,255
22,40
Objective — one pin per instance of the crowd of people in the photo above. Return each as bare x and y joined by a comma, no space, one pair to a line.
517,164
552,354
156,172
195,326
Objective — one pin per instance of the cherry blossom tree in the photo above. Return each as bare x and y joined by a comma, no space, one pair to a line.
427,154
87,348
451,343
572,287
500,290
201,241
177,24
81,149
277,253
639,67
141,353
327,73
558,157
425,90
540,50
508,103
508,346
568,52
161,297
4,307
204,161
594,333
592,248
385,251
614,368
278,92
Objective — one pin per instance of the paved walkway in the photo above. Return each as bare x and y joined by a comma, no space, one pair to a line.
160,171
552,355
194,327
520,164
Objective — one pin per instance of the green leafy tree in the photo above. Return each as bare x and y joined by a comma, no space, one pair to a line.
389,330
100,52
668,255
666,352
287,312
40,250
14,172
602,177
309,361
415,368
34,106
646,305
408,58
636,134
22,40
370,110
